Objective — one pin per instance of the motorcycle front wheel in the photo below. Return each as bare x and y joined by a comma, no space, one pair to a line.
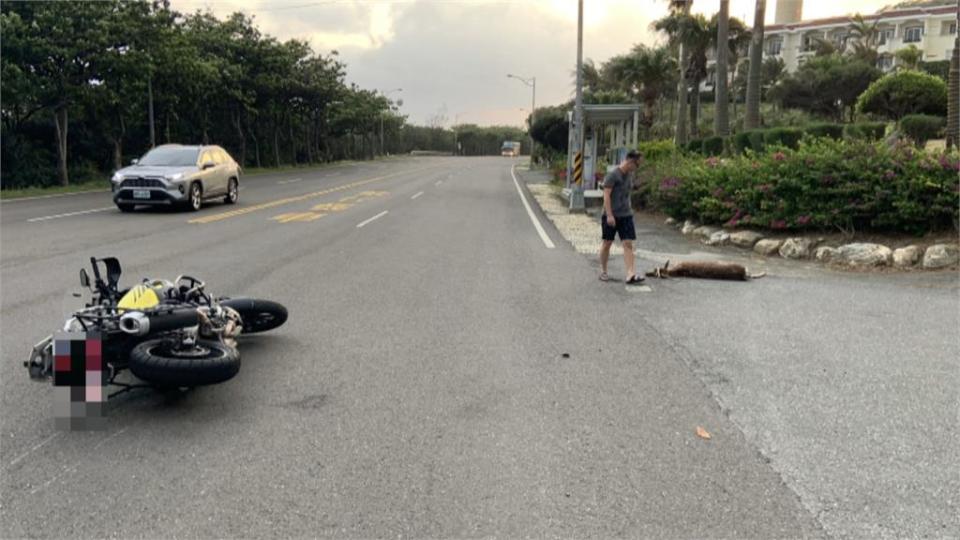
257,315
163,363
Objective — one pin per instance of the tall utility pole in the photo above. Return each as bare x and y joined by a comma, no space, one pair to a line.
532,82
576,189
385,94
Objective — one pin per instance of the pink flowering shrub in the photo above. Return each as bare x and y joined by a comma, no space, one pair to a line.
823,184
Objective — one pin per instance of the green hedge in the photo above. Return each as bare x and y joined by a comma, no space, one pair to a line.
834,131
752,139
713,146
871,131
789,137
657,150
696,145
921,127
824,184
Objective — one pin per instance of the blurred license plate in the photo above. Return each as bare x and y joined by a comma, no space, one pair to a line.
141,194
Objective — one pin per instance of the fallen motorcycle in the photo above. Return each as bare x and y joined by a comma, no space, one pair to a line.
167,334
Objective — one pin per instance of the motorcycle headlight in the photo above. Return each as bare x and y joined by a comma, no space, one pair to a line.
174,177
117,177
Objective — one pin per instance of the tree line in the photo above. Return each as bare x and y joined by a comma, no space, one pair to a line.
89,85
667,79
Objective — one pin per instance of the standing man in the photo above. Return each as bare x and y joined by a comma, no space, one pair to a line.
617,219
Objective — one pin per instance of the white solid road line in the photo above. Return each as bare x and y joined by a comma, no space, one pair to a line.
58,216
536,222
417,195
290,181
376,217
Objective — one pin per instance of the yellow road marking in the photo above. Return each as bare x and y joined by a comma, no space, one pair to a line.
298,216
323,209
331,207
280,202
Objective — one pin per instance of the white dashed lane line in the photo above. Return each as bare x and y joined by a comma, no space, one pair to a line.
374,218
69,214
417,195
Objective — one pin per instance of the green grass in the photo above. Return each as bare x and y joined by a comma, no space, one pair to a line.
96,185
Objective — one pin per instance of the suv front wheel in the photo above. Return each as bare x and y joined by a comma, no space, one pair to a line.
233,192
196,197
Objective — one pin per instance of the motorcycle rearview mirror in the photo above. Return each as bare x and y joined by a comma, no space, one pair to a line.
84,278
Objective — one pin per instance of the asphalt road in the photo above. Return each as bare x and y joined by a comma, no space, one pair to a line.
444,373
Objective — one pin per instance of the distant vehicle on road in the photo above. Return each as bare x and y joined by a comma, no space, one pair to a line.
178,175
510,149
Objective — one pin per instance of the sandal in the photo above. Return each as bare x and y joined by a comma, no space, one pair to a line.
604,276
635,280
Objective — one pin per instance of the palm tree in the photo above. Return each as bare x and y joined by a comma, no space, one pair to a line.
681,8
655,70
953,94
592,81
866,38
909,58
721,118
824,47
752,119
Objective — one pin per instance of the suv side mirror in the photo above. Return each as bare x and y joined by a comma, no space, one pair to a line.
208,165
84,278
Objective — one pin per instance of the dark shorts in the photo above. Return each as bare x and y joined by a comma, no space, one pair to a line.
624,228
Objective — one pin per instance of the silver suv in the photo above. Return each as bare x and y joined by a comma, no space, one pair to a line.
173,174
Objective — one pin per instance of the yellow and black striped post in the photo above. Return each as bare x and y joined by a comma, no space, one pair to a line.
578,169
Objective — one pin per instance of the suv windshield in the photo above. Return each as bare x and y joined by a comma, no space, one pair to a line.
177,157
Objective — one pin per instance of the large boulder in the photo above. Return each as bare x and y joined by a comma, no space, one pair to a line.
940,256
796,248
719,238
767,247
825,254
705,231
688,227
670,221
864,254
906,257
745,239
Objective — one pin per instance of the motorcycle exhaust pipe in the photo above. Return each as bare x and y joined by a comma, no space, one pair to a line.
141,324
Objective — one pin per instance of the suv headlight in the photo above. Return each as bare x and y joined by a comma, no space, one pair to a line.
174,177
117,177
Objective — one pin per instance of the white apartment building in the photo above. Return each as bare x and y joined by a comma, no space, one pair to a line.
930,25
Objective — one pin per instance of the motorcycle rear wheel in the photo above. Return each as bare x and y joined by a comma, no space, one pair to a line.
158,362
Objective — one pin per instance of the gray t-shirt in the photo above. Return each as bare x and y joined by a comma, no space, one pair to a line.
620,194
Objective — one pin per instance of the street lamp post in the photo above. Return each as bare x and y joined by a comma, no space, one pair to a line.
385,94
531,82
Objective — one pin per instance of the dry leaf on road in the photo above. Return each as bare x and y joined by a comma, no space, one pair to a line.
702,433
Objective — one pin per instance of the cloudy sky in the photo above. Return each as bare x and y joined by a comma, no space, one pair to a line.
451,57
